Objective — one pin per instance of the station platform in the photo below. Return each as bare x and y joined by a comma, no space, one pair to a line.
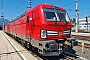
11,50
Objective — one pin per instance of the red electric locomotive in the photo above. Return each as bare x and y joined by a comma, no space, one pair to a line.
45,27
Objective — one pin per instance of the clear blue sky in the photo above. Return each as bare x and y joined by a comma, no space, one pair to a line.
13,8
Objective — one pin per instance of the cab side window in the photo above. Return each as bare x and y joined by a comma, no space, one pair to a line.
28,19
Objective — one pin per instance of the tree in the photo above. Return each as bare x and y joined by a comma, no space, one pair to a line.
73,22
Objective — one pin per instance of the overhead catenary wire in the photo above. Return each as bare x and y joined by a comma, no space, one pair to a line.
84,9
71,3
79,10
83,14
26,6
58,1
33,0
74,9
17,8
19,11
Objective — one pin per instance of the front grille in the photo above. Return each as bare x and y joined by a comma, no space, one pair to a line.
52,33
66,32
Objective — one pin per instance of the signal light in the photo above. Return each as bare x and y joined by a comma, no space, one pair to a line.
86,18
65,42
2,16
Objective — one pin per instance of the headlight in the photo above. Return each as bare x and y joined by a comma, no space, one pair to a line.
51,46
43,34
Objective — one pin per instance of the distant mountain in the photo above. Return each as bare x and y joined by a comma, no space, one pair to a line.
5,21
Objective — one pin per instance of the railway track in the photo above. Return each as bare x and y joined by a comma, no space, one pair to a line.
87,38
83,39
40,57
65,56
85,45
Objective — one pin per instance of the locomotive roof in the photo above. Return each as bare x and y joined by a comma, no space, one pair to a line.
39,5
45,5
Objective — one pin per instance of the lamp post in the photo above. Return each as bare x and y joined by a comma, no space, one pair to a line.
87,22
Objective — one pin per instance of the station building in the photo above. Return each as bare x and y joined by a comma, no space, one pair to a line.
84,24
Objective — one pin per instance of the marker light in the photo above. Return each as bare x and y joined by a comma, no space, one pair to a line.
43,34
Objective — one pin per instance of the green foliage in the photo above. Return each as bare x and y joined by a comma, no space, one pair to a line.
88,16
73,22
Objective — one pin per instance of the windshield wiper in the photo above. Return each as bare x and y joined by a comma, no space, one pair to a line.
66,22
55,21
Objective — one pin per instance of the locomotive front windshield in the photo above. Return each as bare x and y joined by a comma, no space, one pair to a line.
52,14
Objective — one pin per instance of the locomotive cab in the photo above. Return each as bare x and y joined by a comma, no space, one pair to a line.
58,24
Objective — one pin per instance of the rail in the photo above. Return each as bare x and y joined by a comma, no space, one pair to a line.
83,41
